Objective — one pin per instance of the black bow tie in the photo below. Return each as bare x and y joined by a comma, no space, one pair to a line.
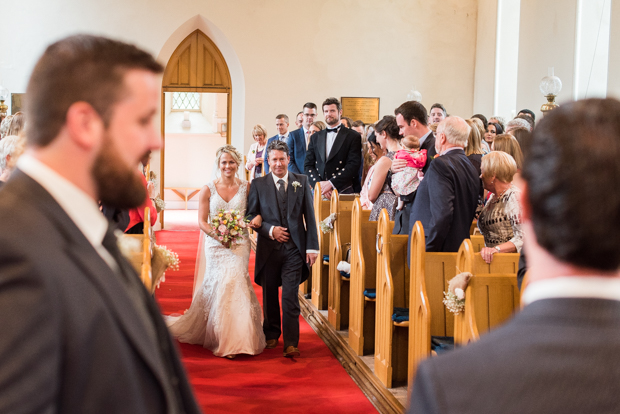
333,129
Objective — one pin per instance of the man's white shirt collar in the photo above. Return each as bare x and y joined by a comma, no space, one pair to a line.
285,178
79,206
595,287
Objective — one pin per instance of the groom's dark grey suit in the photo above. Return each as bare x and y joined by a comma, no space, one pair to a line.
282,264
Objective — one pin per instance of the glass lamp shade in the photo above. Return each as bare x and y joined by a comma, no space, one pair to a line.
4,93
550,84
414,95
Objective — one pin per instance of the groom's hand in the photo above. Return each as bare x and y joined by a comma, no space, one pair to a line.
280,234
311,258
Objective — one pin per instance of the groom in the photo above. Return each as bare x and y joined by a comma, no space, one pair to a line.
285,249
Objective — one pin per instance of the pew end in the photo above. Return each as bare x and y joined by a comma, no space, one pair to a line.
320,271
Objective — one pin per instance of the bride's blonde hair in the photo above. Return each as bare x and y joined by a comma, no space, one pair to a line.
230,150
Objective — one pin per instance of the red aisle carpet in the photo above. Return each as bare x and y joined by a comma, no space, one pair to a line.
312,383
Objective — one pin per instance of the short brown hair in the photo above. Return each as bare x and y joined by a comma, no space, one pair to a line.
79,68
413,110
283,116
331,101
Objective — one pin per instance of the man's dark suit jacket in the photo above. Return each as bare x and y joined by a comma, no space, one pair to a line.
72,339
556,356
263,200
342,166
297,149
401,218
446,201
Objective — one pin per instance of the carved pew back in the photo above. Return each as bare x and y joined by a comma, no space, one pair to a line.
320,271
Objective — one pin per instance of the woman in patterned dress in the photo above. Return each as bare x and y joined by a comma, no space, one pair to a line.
380,192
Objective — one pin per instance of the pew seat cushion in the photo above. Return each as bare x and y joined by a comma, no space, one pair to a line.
441,344
371,293
326,258
400,314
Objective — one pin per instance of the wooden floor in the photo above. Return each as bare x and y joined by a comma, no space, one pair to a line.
361,369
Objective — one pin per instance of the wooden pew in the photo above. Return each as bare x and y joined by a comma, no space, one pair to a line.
392,291
320,270
477,241
430,274
340,240
363,276
492,295
141,259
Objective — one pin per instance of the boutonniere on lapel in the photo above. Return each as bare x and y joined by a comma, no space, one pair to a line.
296,184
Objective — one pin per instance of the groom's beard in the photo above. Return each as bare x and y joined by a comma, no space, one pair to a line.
117,184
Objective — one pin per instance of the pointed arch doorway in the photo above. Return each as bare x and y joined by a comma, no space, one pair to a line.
196,115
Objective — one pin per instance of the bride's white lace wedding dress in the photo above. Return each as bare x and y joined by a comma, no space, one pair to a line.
225,315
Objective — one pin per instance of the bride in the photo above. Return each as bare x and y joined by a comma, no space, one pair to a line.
225,316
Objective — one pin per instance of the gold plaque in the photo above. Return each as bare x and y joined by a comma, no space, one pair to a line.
364,109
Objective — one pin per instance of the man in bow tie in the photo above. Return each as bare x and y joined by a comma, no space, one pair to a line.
282,135
333,156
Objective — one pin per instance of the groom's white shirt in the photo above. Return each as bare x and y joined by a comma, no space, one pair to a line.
275,180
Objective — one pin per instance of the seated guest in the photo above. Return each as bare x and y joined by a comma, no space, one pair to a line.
447,197
493,129
500,219
559,353
508,144
375,152
380,192
255,156
10,147
474,145
520,134
486,148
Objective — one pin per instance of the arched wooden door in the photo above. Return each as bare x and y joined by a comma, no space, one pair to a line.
197,65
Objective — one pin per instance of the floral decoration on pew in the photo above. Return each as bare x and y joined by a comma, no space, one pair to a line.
229,227
454,298
159,204
327,225
163,260
344,268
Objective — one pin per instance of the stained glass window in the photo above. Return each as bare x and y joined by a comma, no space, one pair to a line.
186,101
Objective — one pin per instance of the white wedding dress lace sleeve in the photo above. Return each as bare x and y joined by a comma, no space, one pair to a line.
225,316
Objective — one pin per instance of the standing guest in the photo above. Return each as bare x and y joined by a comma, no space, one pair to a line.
500,219
4,126
136,214
316,127
438,113
282,135
499,120
80,332
521,135
520,122
559,353
482,119
255,158
17,124
447,197
486,148
358,126
333,156
412,119
474,145
299,119
299,139
375,152
346,122
529,113
380,192
8,146
508,144
493,129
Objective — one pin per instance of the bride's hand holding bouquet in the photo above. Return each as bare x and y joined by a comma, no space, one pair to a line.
229,227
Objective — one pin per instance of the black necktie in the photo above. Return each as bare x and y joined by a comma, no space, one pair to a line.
282,190
333,129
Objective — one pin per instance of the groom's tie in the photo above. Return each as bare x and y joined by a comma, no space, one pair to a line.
282,190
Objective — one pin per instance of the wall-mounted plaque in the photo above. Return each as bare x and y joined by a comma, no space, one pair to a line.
365,109
17,102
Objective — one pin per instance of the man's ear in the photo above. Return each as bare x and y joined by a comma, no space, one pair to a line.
84,125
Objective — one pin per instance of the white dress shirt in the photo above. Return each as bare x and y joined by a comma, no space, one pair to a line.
283,137
78,205
595,287
331,137
275,180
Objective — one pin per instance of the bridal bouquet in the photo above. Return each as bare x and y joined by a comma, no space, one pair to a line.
229,227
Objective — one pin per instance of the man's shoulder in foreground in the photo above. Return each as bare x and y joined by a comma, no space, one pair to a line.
538,361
